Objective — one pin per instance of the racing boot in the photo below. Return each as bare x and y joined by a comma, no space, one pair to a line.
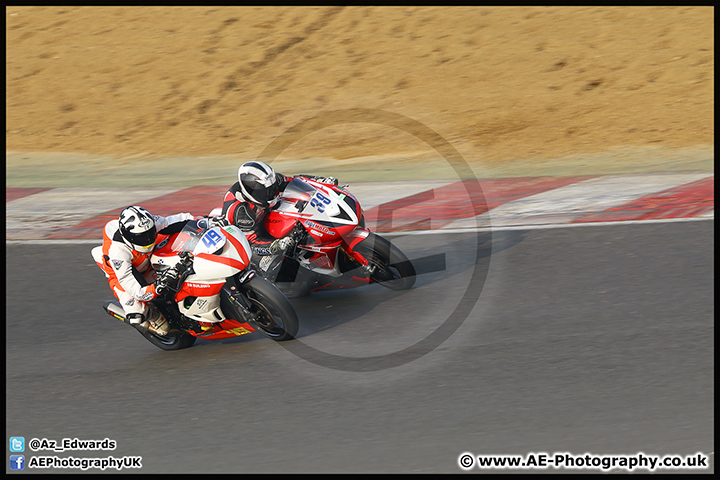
157,323
137,320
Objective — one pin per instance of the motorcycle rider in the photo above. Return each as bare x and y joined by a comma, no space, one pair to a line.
247,202
128,243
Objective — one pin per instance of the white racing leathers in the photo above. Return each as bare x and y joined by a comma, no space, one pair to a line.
127,270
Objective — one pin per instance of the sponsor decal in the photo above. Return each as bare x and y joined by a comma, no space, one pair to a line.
238,331
247,221
117,264
318,227
163,243
312,248
130,302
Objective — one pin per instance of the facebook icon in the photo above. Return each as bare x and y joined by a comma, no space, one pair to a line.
17,462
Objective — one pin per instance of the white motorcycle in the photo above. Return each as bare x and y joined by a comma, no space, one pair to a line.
218,296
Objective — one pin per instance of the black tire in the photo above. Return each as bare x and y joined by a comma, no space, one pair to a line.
276,317
393,269
175,340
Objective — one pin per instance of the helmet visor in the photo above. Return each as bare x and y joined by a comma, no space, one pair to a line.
145,239
272,194
261,195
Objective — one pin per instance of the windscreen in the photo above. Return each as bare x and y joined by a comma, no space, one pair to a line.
190,235
299,190
296,195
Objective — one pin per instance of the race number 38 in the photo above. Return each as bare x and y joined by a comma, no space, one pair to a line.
322,198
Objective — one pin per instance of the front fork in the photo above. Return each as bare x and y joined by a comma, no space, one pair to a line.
355,237
236,297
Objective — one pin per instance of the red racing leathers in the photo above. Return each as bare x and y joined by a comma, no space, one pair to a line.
249,217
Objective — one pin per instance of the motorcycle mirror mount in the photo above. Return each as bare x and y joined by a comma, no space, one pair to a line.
247,275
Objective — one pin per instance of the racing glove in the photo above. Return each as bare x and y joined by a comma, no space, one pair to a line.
172,278
167,281
328,180
218,221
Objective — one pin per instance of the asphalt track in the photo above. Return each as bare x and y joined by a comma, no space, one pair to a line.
595,339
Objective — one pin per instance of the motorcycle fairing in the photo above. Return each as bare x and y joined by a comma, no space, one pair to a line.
330,216
219,253
228,328
305,199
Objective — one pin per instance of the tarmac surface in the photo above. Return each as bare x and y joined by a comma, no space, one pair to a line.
519,337
582,340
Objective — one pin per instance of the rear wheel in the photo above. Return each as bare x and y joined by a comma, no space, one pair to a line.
272,314
387,264
174,340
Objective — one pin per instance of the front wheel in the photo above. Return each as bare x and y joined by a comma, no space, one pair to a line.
387,264
271,312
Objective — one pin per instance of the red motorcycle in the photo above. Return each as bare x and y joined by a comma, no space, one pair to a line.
333,248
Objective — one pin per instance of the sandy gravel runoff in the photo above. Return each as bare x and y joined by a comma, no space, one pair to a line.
502,84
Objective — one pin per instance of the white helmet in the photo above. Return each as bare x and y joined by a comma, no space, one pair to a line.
258,184
138,229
